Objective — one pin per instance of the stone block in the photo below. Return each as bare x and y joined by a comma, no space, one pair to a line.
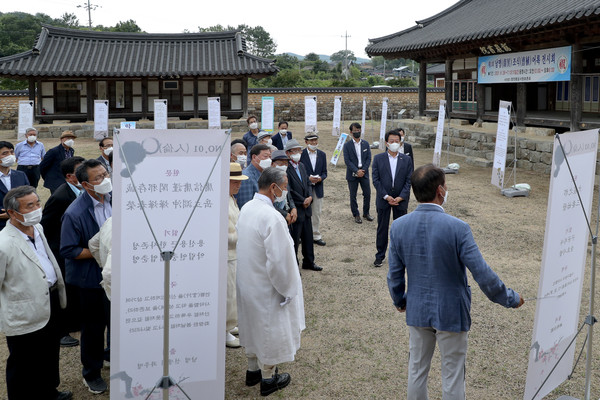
546,147
479,162
535,156
457,141
531,130
539,167
489,125
531,145
546,158
524,164
455,121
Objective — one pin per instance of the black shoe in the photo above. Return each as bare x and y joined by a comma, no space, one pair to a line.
66,395
277,382
320,242
357,219
369,218
253,377
96,386
314,267
68,341
378,262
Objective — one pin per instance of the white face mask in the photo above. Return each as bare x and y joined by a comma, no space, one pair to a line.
283,196
283,132
69,143
313,147
31,139
282,167
104,187
31,218
264,164
445,197
8,161
295,157
394,147
269,142
253,125
242,159
108,151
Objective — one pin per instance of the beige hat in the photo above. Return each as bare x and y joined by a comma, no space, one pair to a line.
235,172
68,134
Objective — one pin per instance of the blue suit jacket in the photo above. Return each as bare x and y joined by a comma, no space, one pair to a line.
382,179
320,169
78,227
50,167
277,142
248,186
434,249
351,159
17,178
300,190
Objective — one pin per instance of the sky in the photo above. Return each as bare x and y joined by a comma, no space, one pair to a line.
300,27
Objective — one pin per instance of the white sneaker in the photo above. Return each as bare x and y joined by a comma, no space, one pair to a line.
235,331
232,341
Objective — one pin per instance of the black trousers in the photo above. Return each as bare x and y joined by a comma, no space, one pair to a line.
302,231
32,370
383,225
32,172
365,185
95,308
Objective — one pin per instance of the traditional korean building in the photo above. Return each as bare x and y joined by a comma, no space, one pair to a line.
543,55
68,69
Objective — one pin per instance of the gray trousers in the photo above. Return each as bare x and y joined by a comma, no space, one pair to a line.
453,348
317,207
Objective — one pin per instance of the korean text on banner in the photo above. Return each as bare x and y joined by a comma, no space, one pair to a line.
439,135
501,144
384,112
25,117
160,114
170,171
338,148
214,113
337,116
563,262
362,121
267,114
100,119
310,114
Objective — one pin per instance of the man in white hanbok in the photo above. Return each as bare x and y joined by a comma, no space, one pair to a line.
269,288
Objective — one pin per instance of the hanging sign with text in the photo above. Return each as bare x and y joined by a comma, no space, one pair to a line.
439,135
501,144
100,119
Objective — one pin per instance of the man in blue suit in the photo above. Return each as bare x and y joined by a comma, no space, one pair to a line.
280,139
434,249
9,178
82,220
391,178
406,148
50,165
315,162
357,171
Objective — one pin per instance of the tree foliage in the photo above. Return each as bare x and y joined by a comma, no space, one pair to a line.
258,41
312,57
340,56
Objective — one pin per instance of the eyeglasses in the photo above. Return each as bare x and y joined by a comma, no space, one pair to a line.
100,178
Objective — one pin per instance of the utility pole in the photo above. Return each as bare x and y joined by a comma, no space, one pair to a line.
89,7
346,71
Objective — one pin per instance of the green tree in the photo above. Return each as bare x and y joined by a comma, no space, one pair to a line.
68,20
341,55
285,61
258,41
126,26
312,57
320,66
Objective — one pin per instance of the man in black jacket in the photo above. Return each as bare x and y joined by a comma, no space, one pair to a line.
50,165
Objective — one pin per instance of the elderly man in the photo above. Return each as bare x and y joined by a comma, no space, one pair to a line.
269,288
29,154
81,222
106,149
315,162
280,138
50,165
260,157
32,291
239,154
286,207
434,250
9,178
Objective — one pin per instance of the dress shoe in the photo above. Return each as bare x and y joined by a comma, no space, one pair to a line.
68,341
378,262
357,219
253,377
369,218
320,242
66,395
235,331
231,341
96,386
314,267
277,382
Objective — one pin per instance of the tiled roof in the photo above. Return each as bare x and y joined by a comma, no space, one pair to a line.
470,20
61,52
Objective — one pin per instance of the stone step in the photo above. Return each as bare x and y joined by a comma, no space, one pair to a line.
479,162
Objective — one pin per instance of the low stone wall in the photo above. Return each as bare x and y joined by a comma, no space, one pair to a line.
9,108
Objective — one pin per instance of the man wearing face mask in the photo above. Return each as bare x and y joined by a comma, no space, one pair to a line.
238,152
266,138
269,288
54,209
433,250
299,186
406,148
32,291
81,222
391,178
260,159
357,156
50,165
315,162
106,148
251,137
280,138
285,205
9,178
29,154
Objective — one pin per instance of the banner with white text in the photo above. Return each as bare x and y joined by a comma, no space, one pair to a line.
267,114
364,116
338,148
310,114
214,113
383,126
337,116
25,118
160,114
439,135
100,119
501,144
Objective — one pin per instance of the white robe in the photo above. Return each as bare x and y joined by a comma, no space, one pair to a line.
267,274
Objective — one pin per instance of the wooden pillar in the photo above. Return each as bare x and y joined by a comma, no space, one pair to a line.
448,86
480,101
36,105
422,87
91,96
245,96
521,103
38,96
576,86
145,97
196,114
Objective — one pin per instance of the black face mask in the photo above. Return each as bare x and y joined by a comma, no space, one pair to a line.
356,134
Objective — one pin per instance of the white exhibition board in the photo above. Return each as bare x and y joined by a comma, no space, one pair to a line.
310,114
160,114
439,135
170,169
364,115
214,113
563,262
267,117
501,144
337,116
382,129
100,119
25,118
338,148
